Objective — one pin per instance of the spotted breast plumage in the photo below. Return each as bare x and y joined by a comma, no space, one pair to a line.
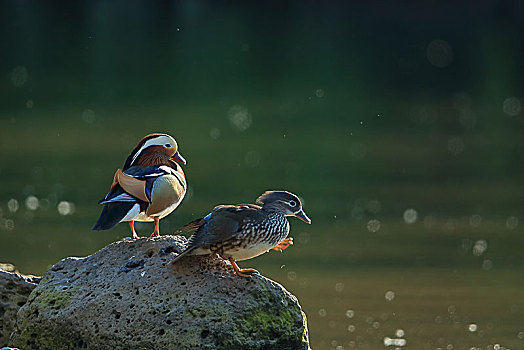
241,232
149,187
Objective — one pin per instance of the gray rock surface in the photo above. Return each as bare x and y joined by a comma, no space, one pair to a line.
14,290
127,296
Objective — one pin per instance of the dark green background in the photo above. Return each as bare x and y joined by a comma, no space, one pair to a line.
363,109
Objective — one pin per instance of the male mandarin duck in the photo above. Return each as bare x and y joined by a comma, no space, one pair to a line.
149,187
244,231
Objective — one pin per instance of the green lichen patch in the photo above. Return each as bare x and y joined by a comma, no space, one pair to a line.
275,327
54,298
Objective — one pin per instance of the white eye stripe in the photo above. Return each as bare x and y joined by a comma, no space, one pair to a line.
156,141
291,203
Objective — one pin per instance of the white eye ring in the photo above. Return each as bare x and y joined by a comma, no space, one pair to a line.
167,145
292,203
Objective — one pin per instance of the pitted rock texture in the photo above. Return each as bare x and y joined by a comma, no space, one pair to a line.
128,296
14,290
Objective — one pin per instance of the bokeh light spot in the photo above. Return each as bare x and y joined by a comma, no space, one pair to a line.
239,117
410,216
88,116
65,208
512,222
439,53
373,225
19,76
511,106
12,205
31,203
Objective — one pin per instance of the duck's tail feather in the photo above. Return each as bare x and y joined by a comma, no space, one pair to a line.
181,255
112,214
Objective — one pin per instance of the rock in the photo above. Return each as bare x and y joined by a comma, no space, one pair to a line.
127,296
14,290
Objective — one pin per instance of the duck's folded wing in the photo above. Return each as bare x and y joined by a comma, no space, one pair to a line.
134,185
225,223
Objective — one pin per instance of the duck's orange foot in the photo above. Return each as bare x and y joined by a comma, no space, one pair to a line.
156,232
242,272
284,244
132,225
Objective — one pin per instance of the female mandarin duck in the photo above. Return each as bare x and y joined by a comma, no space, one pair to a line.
241,232
150,186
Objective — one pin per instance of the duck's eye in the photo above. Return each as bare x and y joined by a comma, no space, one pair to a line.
167,145
292,203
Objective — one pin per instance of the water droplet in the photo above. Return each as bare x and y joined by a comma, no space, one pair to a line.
390,295
439,53
322,312
511,106
31,203
350,313
373,225
88,115
351,328
319,93
472,327
394,342
339,287
9,224
399,333
410,216
19,76
65,208
512,222
291,275
239,117
480,247
13,205
456,146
